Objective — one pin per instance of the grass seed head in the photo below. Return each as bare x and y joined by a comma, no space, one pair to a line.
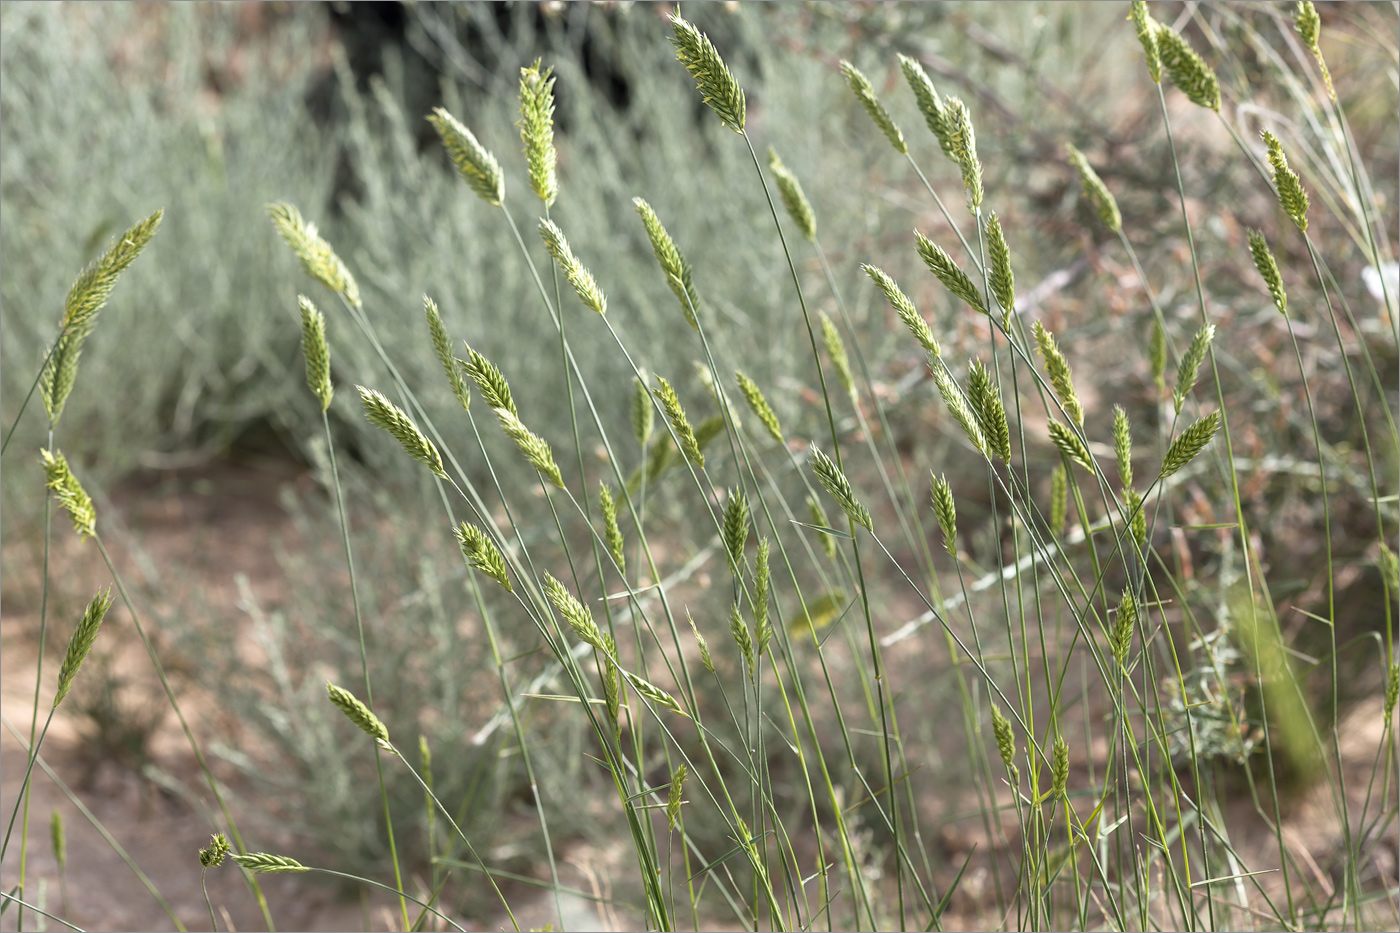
316,256
860,86
736,529
535,449
836,483
763,631
442,346
964,142
478,168
537,129
712,77
1157,355
957,405
1137,517
1309,26
58,839
671,405
985,399
1268,270
81,643
382,413
705,658
263,863
1059,767
1059,498
930,104
69,492
1191,442
836,351
1006,741
1069,444
360,714
574,612
1057,368
611,532
673,798
947,272
482,554
759,406
86,297
1190,365
1147,35
1105,205
316,351
489,381
905,309
643,417
673,264
580,278
1290,190
790,189
1003,281
739,629
654,693
1121,638
212,855
1188,70
946,512
1123,445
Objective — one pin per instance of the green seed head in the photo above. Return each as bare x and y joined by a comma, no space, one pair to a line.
798,207
382,413
442,346
946,512
759,406
69,492
315,254
358,713
836,483
905,309
947,272
860,86
1147,35
212,855
478,168
482,554
736,529
1290,190
316,352
537,129
1188,70
1105,205
580,278
712,77
1268,270
81,643
1191,442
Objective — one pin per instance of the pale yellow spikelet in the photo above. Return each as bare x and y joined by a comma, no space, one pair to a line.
839,486
357,712
317,257
69,492
759,406
836,352
655,694
612,534
865,93
482,554
382,413
537,129
580,278
1057,368
673,264
790,189
534,447
316,352
905,309
712,77
671,405
442,346
478,168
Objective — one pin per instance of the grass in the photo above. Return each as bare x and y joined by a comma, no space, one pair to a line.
1094,573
